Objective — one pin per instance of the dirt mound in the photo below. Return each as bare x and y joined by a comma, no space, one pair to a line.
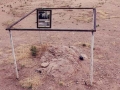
63,61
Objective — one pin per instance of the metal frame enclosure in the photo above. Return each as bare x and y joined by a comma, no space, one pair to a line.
56,29
49,29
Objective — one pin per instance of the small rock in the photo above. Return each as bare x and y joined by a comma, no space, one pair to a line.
87,83
45,64
43,59
77,82
83,57
38,70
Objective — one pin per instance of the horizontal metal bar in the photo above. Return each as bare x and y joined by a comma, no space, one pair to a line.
20,19
75,30
67,8
70,30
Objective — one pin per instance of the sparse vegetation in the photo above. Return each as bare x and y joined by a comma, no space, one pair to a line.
102,15
42,49
85,44
61,83
22,52
8,23
1,52
64,70
17,12
84,19
28,63
97,25
1,62
33,50
31,82
82,44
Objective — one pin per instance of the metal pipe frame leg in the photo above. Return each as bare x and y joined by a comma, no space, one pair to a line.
91,61
40,36
13,51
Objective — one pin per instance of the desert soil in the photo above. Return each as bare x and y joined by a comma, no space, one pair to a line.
57,65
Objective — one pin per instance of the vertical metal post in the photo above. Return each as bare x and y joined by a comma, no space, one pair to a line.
40,36
92,47
13,51
91,61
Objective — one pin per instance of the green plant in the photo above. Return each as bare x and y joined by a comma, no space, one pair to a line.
33,50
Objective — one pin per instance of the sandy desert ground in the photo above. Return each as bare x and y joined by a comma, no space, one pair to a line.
60,50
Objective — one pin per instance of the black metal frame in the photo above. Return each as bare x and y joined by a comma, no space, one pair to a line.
49,29
50,18
41,29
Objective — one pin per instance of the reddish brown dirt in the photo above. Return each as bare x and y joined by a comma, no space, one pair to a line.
106,52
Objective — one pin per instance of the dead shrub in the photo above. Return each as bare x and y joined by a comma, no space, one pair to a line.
31,82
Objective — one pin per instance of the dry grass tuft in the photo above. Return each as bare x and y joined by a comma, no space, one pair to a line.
42,49
8,23
115,17
31,82
22,52
85,44
1,52
82,44
83,19
102,14
27,63
61,83
17,13
1,62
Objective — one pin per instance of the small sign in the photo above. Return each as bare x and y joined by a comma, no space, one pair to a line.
44,18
